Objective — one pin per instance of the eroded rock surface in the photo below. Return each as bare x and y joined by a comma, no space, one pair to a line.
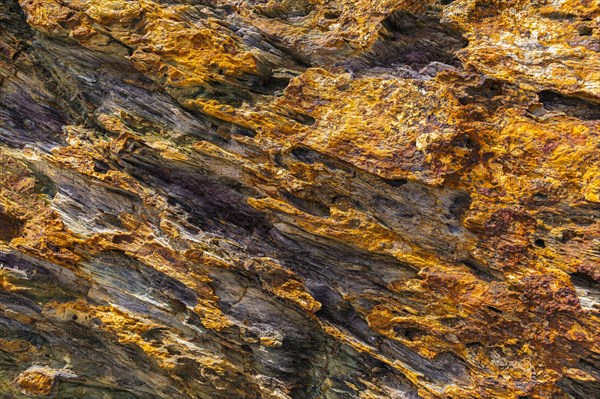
299,199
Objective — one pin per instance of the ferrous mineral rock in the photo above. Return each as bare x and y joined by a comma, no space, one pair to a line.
300,199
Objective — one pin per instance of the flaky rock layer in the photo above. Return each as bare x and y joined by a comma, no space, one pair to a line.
299,199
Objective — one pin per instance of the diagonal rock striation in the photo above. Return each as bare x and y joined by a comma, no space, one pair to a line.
299,199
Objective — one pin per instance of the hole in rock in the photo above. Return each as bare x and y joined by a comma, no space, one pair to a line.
333,14
579,278
540,197
396,182
273,85
539,243
585,30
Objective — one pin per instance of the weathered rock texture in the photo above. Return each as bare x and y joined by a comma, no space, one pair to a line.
300,199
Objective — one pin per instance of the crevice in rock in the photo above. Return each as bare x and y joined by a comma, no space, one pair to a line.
212,204
559,16
588,290
311,207
101,166
585,30
299,60
310,156
570,105
460,204
489,89
414,41
242,130
395,182
482,271
10,227
301,118
273,85
408,332
489,93
225,93
580,389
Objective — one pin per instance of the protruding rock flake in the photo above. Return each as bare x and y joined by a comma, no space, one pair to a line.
300,199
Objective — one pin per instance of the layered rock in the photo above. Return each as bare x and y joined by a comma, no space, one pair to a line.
299,199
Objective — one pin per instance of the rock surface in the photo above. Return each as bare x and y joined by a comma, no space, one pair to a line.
300,199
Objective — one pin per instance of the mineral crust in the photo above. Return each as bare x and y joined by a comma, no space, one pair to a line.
300,199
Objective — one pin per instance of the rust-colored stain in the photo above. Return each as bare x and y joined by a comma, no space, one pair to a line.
300,199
